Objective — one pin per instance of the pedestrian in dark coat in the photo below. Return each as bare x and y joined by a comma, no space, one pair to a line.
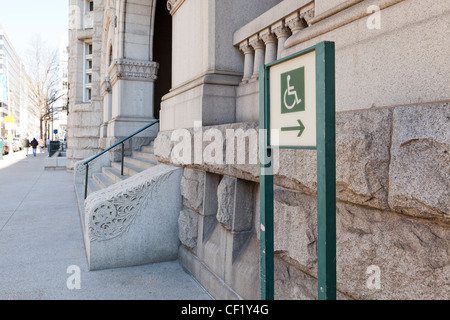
25,145
34,143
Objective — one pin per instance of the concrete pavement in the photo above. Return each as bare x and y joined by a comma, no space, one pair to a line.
42,251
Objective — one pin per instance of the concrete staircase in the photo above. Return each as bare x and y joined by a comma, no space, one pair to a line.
136,163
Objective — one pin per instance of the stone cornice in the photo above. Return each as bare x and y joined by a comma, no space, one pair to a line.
173,5
138,70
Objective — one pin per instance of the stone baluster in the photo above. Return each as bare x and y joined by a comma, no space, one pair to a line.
282,32
295,22
248,60
258,46
270,41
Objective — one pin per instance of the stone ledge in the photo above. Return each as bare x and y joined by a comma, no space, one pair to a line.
342,15
371,156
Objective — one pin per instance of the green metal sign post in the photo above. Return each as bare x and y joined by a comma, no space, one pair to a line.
297,111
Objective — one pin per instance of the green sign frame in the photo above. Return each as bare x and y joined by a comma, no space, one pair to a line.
326,172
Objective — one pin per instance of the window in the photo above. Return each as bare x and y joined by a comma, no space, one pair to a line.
88,19
88,94
87,82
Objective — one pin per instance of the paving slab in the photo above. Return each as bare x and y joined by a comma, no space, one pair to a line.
42,255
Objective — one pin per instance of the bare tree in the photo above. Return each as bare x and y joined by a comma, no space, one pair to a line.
42,67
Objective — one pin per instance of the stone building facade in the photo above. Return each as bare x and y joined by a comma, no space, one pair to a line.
392,134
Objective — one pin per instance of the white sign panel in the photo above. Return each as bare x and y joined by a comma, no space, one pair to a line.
293,102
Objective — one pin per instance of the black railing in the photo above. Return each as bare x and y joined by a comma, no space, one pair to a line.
121,142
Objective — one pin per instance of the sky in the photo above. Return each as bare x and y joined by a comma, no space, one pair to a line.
24,19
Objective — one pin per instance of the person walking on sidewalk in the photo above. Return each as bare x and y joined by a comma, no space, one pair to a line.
25,145
1,148
41,145
34,143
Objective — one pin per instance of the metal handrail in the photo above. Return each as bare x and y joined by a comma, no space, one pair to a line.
86,163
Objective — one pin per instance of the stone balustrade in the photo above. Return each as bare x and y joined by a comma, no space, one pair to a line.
262,40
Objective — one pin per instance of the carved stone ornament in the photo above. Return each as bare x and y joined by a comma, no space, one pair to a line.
173,5
281,30
307,15
246,48
106,86
111,218
127,69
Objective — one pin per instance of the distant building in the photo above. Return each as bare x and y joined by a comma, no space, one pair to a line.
62,105
14,92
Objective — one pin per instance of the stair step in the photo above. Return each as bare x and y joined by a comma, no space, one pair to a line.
145,155
128,169
92,186
148,148
114,174
103,180
140,163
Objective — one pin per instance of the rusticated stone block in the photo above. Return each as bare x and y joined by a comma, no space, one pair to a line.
412,255
293,284
362,160
225,199
192,184
362,157
295,227
235,199
419,176
188,228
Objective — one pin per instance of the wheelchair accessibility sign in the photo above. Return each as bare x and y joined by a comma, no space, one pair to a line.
293,91
297,111
292,94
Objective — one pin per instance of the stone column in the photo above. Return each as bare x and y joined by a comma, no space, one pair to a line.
107,106
248,60
295,22
133,83
270,41
282,32
258,46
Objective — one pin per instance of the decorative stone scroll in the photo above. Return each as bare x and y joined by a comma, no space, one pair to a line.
134,221
114,217
127,69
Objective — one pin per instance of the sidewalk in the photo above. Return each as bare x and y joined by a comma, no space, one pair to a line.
40,238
